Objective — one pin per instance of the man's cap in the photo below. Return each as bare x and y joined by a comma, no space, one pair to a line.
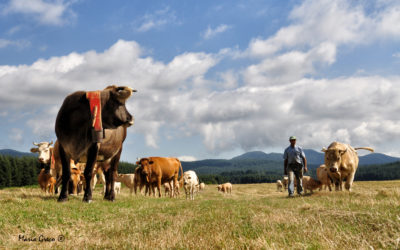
292,138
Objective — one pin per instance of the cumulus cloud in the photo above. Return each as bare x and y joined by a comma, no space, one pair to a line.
210,32
55,12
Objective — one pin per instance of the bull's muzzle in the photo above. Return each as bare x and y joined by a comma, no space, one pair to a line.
333,170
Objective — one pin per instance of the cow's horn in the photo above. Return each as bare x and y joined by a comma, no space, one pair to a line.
36,144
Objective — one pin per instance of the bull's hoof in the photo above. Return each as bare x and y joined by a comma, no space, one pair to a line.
62,199
108,198
87,200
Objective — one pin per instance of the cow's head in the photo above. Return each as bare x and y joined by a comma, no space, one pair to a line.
145,165
114,112
187,179
219,187
44,149
333,158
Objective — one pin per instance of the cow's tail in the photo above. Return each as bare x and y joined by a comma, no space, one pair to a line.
181,179
366,148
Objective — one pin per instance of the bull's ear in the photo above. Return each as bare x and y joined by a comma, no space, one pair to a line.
323,149
34,150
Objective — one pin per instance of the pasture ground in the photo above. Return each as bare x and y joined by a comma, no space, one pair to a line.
255,216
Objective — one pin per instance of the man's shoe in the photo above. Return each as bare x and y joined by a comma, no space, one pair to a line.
291,195
301,194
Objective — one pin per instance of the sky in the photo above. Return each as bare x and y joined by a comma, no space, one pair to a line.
215,79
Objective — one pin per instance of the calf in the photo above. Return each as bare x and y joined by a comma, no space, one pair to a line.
46,181
202,186
279,185
127,179
310,184
117,187
323,177
225,188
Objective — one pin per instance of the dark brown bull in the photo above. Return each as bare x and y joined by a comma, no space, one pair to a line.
74,130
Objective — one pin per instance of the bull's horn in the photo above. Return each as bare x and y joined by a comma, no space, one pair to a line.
366,148
323,149
36,144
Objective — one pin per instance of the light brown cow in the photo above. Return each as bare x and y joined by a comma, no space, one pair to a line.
342,161
127,179
159,170
225,188
74,181
323,177
46,181
310,184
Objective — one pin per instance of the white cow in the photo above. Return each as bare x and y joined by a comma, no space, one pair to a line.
190,183
117,187
202,186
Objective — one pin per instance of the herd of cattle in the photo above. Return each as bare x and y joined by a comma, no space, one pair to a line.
91,128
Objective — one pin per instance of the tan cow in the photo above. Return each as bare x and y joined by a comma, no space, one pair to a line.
127,179
323,177
225,188
342,161
46,181
310,184
159,170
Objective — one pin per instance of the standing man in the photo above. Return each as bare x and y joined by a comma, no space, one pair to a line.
294,161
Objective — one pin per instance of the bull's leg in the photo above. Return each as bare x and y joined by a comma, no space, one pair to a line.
349,182
107,185
65,176
91,161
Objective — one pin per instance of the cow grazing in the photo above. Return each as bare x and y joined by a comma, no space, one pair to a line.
310,184
279,185
323,177
127,179
77,125
342,161
46,181
158,170
190,184
202,186
225,188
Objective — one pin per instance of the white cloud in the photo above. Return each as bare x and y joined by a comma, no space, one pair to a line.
16,135
187,158
155,20
20,44
210,33
53,12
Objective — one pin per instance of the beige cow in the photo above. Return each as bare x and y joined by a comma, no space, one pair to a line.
225,188
323,177
310,184
342,162
127,179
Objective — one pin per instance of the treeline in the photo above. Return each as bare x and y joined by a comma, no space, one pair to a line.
17,172
240,177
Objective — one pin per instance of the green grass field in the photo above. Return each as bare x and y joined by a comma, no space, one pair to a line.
255,216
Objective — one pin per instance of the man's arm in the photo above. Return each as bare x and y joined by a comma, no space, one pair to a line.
285,167
305,165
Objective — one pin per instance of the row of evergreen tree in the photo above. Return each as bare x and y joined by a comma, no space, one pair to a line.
23,171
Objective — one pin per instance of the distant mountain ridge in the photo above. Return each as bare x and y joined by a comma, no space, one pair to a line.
15,153
317,158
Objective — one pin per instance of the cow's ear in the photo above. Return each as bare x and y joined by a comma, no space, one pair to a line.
138,163
324,149
34,150
124,93
151,162
342,151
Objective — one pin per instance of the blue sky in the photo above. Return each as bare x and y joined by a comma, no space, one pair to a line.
214,78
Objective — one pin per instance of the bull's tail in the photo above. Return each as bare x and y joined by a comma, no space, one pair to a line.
366,148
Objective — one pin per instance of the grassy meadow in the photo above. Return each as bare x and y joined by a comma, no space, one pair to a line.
255,216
